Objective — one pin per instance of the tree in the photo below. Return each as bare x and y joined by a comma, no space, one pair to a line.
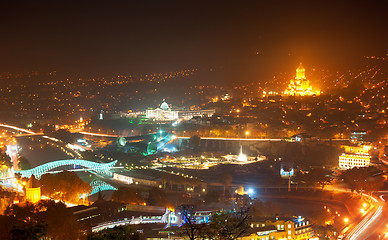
65,186
47,218
299,178
325,232
61,223
194,142
28,232
24,164
228,225
5,160
322,221
373,184
190,228
26,213
317,176
221,225
321,217
127,195
6,199
116,233
356,178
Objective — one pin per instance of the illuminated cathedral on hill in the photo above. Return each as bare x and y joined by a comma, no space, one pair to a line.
300,86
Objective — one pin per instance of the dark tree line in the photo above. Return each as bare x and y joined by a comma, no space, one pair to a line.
222,225
360,180
46,219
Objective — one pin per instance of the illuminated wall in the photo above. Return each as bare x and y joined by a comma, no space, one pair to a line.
166,113
33,195
161,114
359,149
347,161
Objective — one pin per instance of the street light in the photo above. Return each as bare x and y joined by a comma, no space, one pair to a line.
346,220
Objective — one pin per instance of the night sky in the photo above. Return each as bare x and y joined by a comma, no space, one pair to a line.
242,39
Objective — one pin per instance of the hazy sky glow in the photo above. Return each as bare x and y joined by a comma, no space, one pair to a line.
247,37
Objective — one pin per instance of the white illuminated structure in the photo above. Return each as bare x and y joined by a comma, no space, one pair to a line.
354,156
347,161
242,157
165,113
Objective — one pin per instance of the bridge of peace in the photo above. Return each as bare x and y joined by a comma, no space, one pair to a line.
77,165
48,167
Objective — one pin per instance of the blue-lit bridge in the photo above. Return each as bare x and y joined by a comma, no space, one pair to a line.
47,167
98,185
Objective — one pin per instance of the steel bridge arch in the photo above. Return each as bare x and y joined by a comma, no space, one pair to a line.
42,169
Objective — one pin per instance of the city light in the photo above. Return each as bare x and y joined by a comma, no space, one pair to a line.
250,191
300,86
160,105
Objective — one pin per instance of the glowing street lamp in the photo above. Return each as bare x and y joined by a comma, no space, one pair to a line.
346,220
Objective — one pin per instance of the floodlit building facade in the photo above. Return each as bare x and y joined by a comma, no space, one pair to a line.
347,161
33,192
354,156
165,113
300,86
282,228
130,177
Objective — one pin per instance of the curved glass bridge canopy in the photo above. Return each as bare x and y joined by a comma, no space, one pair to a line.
44,168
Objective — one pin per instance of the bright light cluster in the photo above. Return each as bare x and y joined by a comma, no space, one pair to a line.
300,86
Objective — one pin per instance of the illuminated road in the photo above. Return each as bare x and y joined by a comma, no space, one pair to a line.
70,150
374,224
217,138
16,128
98,134
257,139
